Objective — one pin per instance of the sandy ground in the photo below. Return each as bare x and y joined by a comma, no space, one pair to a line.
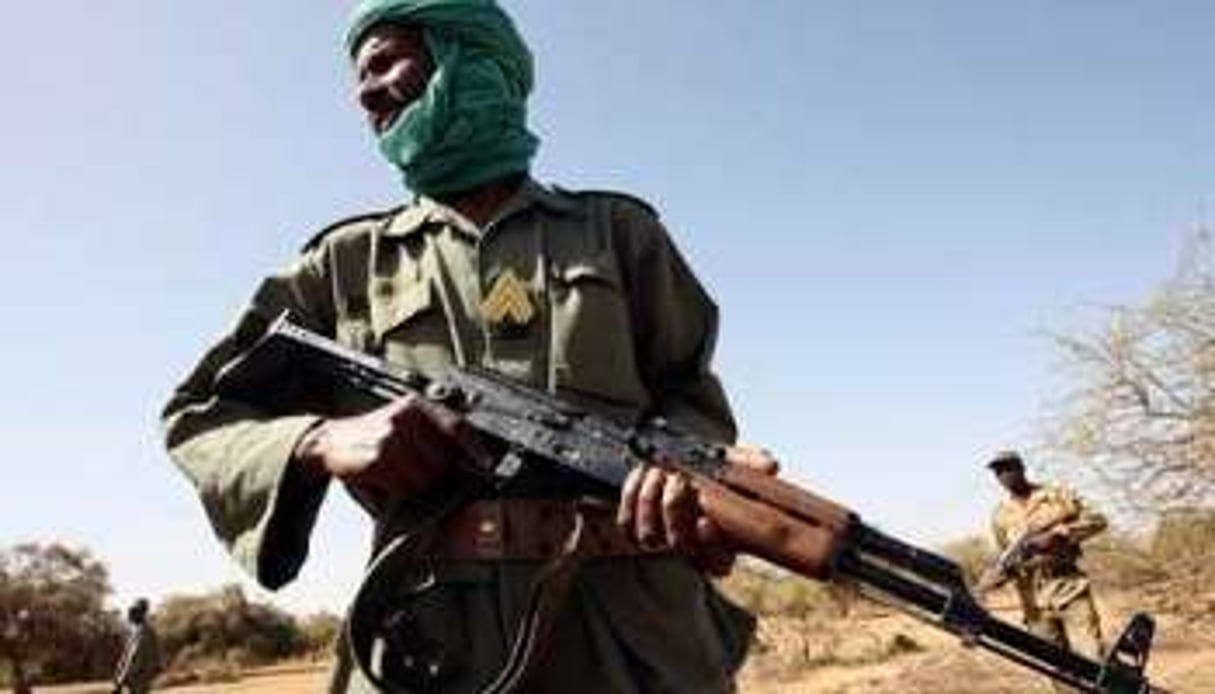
951,669
290,679
1183,659
872,653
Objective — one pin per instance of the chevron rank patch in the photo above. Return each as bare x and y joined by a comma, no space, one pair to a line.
508,303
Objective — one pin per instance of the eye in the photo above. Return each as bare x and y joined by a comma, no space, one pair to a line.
378,64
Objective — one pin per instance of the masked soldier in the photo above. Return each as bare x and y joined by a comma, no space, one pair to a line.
1051,521
579,293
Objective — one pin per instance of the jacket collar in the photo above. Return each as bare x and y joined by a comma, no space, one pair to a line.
425,211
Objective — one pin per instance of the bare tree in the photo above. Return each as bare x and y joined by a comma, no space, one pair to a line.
1141,414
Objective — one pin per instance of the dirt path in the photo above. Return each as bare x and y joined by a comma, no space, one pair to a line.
877,654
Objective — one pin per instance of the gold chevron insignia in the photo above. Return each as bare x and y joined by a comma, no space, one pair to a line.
508,301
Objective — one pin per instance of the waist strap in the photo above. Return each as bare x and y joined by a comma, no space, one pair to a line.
528,529
561,534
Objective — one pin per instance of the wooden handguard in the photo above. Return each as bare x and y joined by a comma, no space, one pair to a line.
788,497
774,520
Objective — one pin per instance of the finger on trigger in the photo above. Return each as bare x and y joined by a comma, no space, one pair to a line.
678,510
454,427
625,512
649,529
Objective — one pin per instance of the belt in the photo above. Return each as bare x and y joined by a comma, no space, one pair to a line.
530,529
558,533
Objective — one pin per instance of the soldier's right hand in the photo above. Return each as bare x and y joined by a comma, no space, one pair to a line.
405,447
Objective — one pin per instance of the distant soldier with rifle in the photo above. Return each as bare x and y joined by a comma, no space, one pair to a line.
1038,530
140,661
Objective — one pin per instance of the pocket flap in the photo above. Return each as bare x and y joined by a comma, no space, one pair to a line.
393,306
599,269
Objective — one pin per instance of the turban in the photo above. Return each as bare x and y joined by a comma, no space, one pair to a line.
469,126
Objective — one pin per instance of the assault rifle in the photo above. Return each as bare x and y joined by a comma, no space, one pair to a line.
1005,564
760,515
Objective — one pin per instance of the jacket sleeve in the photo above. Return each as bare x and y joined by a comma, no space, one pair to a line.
998,532
238,455
674,325
1083,521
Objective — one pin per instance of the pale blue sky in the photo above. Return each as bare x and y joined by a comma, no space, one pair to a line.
890,200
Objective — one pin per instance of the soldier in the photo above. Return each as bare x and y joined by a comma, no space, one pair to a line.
16,633
1055,594
582,294
140,661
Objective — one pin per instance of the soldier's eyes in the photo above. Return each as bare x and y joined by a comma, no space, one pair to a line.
378,64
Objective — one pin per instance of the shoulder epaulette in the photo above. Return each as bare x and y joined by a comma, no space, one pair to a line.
628,197
343,223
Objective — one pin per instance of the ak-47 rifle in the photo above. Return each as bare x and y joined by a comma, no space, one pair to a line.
1002,568
760,515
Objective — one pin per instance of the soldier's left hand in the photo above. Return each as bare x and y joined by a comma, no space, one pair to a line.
658,506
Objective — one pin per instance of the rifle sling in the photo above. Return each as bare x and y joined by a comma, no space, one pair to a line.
546,597
545,600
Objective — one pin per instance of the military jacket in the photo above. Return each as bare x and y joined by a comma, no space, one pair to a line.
1050,581
582,294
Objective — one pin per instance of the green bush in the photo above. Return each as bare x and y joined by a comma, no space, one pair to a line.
227,628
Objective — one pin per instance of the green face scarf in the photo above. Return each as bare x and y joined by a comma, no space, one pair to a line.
469,126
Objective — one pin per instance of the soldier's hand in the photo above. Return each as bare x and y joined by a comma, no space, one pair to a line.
658,507
1046,541
405,447
985,586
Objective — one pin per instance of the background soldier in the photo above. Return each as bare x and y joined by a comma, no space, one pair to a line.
140,661
16,633
1055,594
578,293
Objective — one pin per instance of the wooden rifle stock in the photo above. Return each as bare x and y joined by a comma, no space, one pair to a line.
769,518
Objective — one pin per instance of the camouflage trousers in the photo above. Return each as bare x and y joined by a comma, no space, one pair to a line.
1075,626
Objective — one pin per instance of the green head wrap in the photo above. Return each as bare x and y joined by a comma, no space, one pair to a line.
469,126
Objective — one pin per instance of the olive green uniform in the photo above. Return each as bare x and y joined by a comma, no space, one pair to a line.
616,319
1055,594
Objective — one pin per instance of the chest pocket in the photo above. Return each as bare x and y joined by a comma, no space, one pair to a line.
592,338
408,324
